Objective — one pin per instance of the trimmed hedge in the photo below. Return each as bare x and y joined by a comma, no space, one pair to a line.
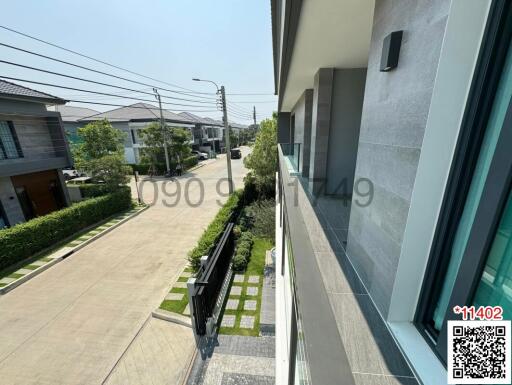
92,190
142,169
214,229
243,251
25,239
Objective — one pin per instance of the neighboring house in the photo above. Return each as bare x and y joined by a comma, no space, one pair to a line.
207,132
71,119
33,150
394,200
132,118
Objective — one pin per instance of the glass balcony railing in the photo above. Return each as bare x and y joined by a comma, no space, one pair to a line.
292,153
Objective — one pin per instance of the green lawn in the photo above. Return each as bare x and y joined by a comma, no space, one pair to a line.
256,266
178,306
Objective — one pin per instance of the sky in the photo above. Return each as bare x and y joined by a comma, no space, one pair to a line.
227,41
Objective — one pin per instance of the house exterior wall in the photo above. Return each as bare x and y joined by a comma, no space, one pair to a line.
10,202
40,135
395,111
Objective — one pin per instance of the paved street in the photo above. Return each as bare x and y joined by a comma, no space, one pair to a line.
73,323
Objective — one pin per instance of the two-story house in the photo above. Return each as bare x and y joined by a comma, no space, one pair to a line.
33,150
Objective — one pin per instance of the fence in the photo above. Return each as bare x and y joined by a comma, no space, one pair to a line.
207,292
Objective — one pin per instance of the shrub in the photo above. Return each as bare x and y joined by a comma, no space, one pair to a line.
190,162
246,237
93,190
25,239
260,218
214,230
239,263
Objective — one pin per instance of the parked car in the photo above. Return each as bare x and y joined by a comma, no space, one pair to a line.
70,173
200,155
236,153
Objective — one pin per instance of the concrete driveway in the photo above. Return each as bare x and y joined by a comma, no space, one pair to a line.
71,324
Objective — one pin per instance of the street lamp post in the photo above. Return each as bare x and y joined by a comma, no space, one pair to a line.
222,93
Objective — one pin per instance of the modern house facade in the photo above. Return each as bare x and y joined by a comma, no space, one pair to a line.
71,116
394,183
131,119
33,151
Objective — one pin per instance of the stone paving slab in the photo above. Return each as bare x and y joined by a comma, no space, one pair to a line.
187,310
254,279
252,290
181,285
228,321
235,290
247,322
39,263
186,274
238,278
250,304
232,304
23,271
246,379
174,296
7,280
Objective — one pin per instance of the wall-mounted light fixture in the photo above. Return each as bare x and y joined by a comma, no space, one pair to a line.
390,51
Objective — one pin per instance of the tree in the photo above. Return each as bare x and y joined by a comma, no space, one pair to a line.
262,161
100,153
178,143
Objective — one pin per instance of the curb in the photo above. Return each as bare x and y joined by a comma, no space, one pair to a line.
63,254
172,317
188,372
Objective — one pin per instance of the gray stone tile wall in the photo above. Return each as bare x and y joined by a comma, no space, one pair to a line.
394,117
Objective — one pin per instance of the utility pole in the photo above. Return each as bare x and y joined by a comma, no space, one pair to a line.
254,115
164,134
228,144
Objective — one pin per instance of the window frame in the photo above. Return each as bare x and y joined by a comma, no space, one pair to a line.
3,215
15,140
488,71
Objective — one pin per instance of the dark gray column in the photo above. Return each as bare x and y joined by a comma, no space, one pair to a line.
321,122
283,127
306,146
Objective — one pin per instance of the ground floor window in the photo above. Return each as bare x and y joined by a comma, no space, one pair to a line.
471,255
3,217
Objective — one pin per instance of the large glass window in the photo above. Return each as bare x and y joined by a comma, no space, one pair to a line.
495,286
492,133
471,256
9,147
3,218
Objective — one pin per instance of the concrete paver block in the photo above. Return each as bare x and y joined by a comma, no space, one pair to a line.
235,290
250,304
39,263
187,310
174,296
181,285
252,290
232,304
247,322
228,321
238,278
186,274
23,271
254,279
7,280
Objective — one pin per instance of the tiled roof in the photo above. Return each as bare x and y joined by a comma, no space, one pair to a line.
137,111
194,118
8,89
74,114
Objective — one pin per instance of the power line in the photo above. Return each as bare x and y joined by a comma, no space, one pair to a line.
121,105
89,81
190,91
95,92
92,70
101,61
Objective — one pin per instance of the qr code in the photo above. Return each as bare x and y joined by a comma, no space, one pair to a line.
479,352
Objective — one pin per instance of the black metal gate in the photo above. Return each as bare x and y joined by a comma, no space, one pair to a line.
210,279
